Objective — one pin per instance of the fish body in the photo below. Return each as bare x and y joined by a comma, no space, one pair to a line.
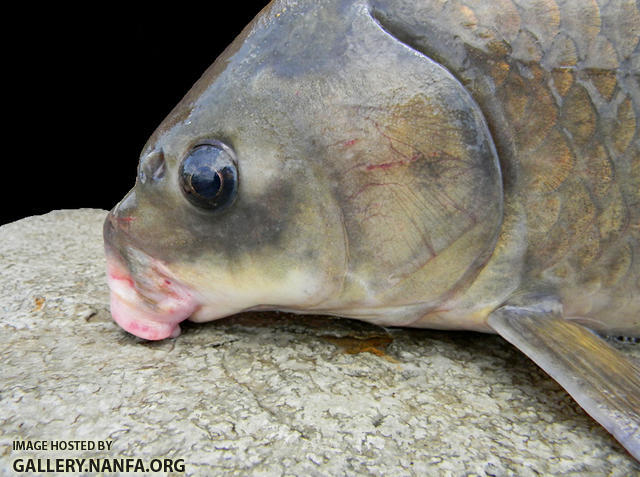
454,165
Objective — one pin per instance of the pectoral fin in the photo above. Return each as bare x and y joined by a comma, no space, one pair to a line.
598,377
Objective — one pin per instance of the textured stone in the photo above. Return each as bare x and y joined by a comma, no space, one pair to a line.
267,394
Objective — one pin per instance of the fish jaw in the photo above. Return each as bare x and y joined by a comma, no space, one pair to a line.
153,312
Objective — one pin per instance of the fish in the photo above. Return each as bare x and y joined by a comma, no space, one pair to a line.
460,165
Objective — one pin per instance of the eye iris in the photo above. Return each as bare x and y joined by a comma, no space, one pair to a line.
208,175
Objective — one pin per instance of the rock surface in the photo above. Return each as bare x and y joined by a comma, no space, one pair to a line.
266,394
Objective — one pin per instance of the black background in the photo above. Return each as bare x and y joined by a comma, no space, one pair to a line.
86,89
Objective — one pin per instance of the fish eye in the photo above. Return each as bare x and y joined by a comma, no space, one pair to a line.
208,175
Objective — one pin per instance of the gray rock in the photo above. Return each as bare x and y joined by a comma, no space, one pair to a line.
267,394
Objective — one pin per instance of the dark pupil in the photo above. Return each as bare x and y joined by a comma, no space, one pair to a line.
206,182
201,171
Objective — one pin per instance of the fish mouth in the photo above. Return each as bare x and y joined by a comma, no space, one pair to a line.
150,304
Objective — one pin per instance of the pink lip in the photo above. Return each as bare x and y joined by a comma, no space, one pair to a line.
172,303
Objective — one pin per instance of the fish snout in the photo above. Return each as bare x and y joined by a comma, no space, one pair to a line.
117,225
109,232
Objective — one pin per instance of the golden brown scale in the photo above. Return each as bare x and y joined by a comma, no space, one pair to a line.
558,83
573,142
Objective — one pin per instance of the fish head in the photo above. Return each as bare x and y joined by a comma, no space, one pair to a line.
319,165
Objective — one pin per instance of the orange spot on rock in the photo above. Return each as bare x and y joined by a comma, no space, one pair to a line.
39,303
375,345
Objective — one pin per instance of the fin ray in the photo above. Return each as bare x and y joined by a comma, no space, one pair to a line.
598,377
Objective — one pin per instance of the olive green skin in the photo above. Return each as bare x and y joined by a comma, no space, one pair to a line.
409,163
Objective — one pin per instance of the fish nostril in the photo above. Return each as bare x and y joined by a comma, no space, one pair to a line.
152,166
